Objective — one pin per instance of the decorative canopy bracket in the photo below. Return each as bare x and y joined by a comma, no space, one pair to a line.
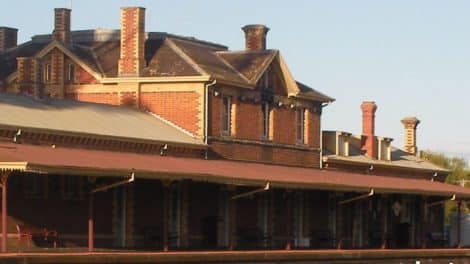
250,193
360,197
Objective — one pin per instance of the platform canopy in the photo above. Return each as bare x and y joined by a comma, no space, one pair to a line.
85,162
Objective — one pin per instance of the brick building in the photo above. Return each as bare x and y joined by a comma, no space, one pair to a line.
180,143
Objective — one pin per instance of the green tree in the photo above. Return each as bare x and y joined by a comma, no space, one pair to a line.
459,173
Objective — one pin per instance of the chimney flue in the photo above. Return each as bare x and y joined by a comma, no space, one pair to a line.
62,25
368,128
132,60
410,124
8,38
255,37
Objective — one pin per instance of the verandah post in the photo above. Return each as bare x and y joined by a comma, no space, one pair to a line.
384,222
4,178
423,222
289,220
91,235
166,208
459,224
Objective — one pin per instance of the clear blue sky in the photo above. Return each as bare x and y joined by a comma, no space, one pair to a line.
411,57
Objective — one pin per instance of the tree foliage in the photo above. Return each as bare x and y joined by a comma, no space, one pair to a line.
459,173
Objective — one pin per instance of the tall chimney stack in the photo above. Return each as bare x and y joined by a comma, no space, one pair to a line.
410,124
132,60
62,25
8,38
368,128
255,37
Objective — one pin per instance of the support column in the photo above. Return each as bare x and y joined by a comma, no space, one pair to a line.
384,222
423,222
166,209
289,220
339,225
91,234
232,220
459,224
4,179
184,226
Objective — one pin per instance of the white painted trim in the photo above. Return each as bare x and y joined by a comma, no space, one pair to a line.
203,78
13,166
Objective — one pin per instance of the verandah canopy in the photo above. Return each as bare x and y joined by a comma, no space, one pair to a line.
85,162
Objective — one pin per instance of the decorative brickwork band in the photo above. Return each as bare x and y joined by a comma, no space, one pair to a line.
255,37
368,128
62,25
8,38
132,60
410,124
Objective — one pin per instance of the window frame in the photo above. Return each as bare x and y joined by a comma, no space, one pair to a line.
300,126
71,69
226,115
47,73
265,119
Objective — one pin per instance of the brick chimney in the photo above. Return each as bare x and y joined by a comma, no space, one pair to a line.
410,124
255,37
132,60
27,68
368,128
8,38
62,25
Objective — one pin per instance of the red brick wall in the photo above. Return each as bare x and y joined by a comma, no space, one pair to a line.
248,124
103,98
83,77
284,124
312,129
267,154
215,122
181,108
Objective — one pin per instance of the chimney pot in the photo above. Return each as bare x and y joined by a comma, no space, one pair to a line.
62,25
8,38
368,128
410,124
255,36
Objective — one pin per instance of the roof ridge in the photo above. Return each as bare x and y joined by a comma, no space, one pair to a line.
232,68
247,51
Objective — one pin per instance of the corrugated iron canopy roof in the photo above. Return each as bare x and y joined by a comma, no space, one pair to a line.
85,162
88,119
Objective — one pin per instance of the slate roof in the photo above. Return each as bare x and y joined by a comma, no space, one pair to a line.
165,55
67,116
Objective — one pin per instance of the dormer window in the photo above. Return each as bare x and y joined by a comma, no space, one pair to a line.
300,125
266,111
71,73
226,115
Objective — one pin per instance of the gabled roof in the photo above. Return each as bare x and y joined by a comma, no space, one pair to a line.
249,63
8,58
165,55
87,119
